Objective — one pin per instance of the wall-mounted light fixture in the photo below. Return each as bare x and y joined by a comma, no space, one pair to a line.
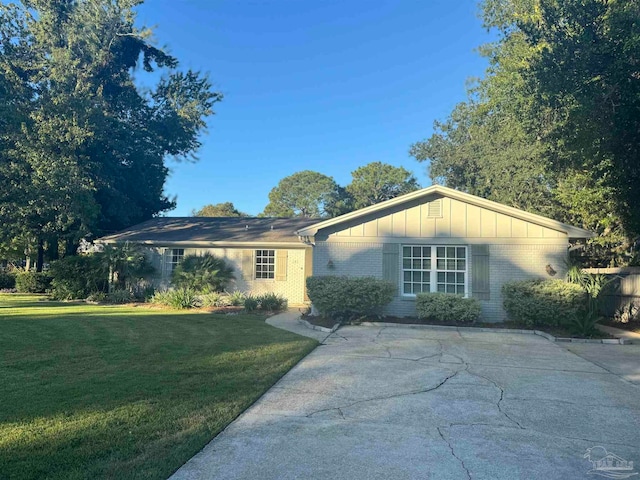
330,265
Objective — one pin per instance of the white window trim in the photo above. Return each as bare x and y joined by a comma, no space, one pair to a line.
255,265
169,265
433,284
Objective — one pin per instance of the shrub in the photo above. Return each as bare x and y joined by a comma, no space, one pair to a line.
447,307
214,299
544,302
236,298
33,282
251,304
119,296
78,276
271,302
347,298
127,263
202,273
7,280
180,298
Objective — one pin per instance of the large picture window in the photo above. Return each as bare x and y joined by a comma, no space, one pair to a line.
265,264
434,269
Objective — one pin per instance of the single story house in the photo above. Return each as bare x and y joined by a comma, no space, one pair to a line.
433,240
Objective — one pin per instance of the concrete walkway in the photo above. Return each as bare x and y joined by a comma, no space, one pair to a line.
403,403
289,321
633,337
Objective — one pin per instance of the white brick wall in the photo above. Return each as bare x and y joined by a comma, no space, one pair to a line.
292,288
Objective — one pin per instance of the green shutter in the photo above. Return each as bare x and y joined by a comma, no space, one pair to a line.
247,265
281,265
480,281
390,263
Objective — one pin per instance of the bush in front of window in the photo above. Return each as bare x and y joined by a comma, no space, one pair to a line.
202,273
544,302
349,298
271,302
447,308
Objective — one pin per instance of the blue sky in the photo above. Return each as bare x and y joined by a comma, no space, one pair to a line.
314,85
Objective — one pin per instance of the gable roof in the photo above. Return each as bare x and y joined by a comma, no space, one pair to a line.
571,231
198,230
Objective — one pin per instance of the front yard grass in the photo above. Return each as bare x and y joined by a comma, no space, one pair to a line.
94,391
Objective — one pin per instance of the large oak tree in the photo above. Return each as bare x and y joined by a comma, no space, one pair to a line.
84,146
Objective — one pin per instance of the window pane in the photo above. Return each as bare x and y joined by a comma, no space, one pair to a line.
406,251
407,288
426,252
460,277
451,289
461,264
440,252
451,278
406,263
416,251
440,264
460,289
441,277
441,288
426,264
417,276
451,252
417,288
407,276
417,264
451,264
461,253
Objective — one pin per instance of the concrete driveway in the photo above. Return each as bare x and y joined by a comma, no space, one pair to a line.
405,403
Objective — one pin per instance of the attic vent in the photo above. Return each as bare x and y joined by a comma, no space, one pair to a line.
434,209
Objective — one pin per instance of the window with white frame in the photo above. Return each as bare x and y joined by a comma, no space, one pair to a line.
265,264
174,257
428,268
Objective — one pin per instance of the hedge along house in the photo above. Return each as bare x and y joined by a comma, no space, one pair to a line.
442,240
265,253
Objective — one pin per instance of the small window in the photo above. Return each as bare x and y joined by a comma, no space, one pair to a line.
175,256
265,264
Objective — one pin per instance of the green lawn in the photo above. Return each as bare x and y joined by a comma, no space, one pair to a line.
91,391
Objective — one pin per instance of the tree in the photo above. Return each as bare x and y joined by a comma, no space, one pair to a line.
377,182
84,148
226,209
203,273
553,127
304,194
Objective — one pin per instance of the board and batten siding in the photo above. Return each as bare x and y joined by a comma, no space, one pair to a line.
499,248
458,220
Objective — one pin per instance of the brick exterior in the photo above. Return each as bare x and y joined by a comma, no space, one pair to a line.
292,288
507,262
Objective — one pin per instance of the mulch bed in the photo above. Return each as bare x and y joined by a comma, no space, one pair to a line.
555,331
633,326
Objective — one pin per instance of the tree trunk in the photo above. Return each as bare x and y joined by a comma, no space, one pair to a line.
40,259
52,249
